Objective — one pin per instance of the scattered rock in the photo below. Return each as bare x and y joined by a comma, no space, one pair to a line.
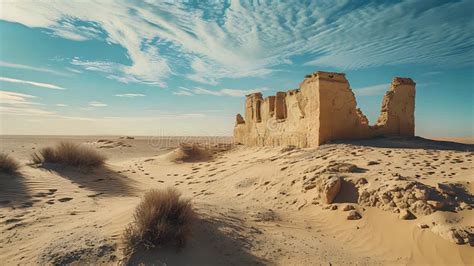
419,198
288,148
328,187
353,215
348,207
339,167
406,215
266,216
459,235
423,226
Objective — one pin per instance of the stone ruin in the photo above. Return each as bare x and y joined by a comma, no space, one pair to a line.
323,109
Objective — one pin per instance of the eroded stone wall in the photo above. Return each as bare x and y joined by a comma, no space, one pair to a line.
322,109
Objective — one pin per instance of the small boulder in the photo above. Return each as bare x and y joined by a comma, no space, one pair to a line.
348,207
436,204
339,167
328,187
456,236
406,215
353,215
423,226
361,181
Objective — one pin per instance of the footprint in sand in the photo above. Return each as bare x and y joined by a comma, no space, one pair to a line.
13,220
65,199
27,204
41,195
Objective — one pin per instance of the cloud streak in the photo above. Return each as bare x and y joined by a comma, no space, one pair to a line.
209,42
20,104
32,83
378,89
26,67
15,98
97,104
130,95
222,92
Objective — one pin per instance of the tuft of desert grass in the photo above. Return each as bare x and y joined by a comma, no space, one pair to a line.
163,218
8,164
71,154
187,152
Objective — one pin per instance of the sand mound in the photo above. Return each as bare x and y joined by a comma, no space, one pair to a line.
110,144
78,248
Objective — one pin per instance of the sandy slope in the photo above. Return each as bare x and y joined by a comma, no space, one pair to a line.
252,204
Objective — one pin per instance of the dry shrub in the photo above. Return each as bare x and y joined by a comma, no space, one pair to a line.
71,154
8,164
162,218
189,153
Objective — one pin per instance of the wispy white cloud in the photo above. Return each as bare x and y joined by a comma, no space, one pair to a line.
222,92
73,70
101,66
20,104
97,104
183,93
37,112
33,83
15,98
61,105
130,95
378,89
24,111
33,68
252,39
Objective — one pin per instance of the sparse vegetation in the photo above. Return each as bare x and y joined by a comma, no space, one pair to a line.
189,153
71,154
8,164
162,218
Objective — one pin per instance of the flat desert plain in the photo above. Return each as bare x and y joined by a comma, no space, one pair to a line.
401,201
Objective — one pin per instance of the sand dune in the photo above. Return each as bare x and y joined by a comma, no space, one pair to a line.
255,205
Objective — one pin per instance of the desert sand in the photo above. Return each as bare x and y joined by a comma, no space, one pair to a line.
256,205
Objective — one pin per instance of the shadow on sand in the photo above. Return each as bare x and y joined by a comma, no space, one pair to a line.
13,190
348,194
104,181
215,241
410,143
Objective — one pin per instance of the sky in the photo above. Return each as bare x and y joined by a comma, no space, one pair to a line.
184,67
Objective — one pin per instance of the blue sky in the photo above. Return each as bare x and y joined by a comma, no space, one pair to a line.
183,67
